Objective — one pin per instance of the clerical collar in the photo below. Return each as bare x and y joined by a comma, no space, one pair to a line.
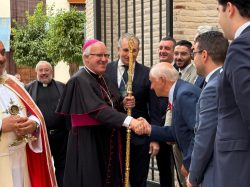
92,72
45,84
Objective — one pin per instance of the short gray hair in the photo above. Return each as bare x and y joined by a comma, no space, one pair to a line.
206,28
43,62
164,70
128,36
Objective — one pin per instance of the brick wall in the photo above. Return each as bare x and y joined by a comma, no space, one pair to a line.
27,74
189,15
90,32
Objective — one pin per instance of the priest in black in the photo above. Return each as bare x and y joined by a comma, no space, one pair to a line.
94,148
46,93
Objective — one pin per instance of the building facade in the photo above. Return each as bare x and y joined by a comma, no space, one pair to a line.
150,20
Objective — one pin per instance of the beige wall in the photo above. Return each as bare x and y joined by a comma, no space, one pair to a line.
90,33
59,4
5,9
61,70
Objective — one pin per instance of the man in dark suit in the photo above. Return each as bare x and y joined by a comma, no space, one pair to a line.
146,107
209,53
183,97
232,142
45,91
166,170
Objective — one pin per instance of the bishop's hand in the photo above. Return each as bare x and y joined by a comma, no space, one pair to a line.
141,127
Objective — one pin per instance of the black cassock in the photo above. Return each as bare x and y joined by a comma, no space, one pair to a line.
94,147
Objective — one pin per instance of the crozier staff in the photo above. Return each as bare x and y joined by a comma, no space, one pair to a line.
94,147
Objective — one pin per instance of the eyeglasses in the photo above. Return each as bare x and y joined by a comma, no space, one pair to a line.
101,55
195,52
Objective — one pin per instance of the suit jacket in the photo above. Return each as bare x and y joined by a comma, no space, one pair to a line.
232,143
145,98
190,75
185,98
201,168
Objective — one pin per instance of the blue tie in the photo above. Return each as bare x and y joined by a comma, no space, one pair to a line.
123,84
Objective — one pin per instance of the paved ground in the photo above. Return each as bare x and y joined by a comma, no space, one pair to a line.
153,175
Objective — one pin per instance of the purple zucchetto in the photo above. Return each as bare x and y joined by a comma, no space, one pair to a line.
88,43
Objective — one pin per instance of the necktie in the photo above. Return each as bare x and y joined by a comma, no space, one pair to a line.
179,74
170,106
123,84
204,84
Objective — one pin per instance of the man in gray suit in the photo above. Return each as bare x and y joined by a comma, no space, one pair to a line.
209,53
232,142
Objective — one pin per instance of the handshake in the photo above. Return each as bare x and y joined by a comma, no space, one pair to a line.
140,126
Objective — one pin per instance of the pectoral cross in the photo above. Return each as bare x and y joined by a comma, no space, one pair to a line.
15,110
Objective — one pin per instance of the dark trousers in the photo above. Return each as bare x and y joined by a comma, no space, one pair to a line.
139,165
58,139
164,165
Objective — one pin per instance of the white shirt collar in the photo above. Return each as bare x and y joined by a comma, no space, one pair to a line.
120,64
171,93
211,73
241,29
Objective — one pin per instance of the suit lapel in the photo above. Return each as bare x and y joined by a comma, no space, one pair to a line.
177,85
113,72
214,74
190,74
136,75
